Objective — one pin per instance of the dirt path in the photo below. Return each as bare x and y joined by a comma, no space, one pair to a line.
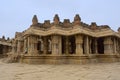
101,71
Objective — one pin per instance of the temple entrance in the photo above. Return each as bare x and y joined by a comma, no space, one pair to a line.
97,45
100,45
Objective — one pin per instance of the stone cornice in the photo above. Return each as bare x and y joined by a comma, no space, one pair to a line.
71,31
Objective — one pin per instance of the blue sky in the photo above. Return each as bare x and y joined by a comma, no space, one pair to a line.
16,15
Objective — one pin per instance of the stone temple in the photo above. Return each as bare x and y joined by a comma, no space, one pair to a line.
66,42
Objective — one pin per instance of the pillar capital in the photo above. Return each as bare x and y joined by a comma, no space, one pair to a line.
79,39
108,40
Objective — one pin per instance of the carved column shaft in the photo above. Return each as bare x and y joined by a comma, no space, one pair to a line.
45,45
67,45
96,50
108,45
86,45
114,45
25,46
90,43
117,46
56,45
20,45
59,45
79,42
32,44
14,46
4,49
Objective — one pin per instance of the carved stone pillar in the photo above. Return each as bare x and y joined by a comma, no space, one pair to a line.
14,46
10,49
117,46
25,45
79,42
45,45
32,45
114,46
67,45
56,45
96,50
59,44
86,45
108,45
90,43
4,49
18,46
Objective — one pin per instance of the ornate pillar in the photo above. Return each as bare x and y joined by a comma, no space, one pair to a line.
96,50
59,44
18,46
108,45
4,49
86,45
90,43
32,45
25,45
14,46
114,46
117,46
56,45
45,45
67,45
79,42
10,49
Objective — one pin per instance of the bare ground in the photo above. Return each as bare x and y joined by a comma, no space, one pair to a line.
99,71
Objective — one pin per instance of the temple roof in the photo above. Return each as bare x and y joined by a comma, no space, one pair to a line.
71,31
68,28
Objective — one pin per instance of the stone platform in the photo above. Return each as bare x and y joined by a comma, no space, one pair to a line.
71,59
